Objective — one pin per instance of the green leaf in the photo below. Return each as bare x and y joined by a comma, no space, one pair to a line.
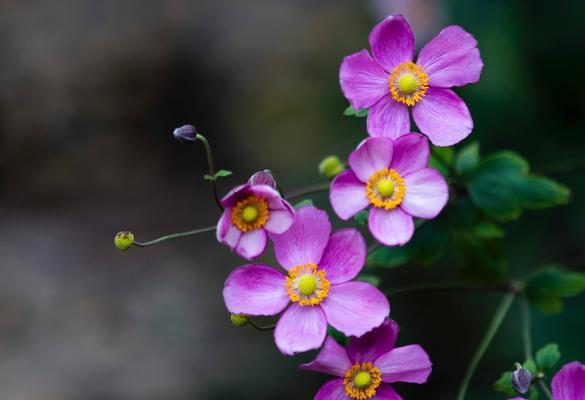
547,289
467,159
352,112
548,356
209,177
488,230
337,335
504,384
371,279
501,186
441,159
530,365
305,202
361,217
533,393
222,173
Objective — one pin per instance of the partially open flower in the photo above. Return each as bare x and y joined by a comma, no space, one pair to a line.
521,379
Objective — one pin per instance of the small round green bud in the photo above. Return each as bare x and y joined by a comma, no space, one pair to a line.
239,319
330,167
124,240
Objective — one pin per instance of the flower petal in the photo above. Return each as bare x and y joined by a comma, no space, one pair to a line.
411,153
374,343
427,193
255,289
332,359
371,155
279,221
390,227
362,80
305,241
385,392
355,308
443,117
348,195
235,195
569,382
405,364
392,42
275,201
344,256
451,58
388,118
300,329
332,390
226,232
262,178
252,244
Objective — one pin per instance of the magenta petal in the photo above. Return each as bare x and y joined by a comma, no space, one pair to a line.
348,195
332,359
252,244
279,221
235,195
385,392
226,232
362,80
451,58
372,155
443,117
255,289
262,178
275,201
426,193
569,382
411,153
374,343
332,390
344,256
388,118
355,308
405,364
392,42
300,329
305,241
390,227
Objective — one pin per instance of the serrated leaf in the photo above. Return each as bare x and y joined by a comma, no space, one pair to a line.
305,202
467,159
504,384
352,112
371,279
547,289
361,217
222,173
548,356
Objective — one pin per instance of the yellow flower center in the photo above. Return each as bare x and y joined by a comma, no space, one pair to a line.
385,189
306,284
362,380
408,83
250,213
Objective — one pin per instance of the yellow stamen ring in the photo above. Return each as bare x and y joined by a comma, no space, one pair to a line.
306,284
385,189
362,380
408,83
250,213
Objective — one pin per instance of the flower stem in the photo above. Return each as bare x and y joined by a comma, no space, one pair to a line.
526,330
545,389
211,167
174,236
258,328
485,342
453,286
319,187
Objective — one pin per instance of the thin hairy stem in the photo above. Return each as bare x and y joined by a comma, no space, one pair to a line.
546,390
453,286
211,167
485,342
174,236
316,188
258,328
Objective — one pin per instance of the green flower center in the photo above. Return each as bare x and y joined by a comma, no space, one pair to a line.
250,214
385,188
307,285
362,380
407,83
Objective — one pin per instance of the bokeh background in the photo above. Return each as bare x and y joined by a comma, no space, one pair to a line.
90,92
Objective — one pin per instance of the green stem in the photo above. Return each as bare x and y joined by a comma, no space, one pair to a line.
485,342
174,236
526,330
258,328
452,286
211,167
319,187
545,389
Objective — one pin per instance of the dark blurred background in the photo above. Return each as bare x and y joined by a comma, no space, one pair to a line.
90,92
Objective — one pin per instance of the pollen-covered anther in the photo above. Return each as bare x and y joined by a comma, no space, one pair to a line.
362,380
408,83
385,189
306,284
250,213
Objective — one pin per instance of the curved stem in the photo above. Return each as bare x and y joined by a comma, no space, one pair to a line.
452,286
485,342
546,390
319,187
174,236
258,328
211,167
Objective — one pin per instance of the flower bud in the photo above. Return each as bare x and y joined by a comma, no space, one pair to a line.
330,167
124,240
186,134
521,379
263,178
239,319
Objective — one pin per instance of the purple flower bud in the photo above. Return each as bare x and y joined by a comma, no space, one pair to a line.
185,134
263,178
521,379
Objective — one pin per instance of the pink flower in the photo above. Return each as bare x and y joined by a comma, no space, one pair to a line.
568,383
320,266
393,179
390,82
366,367
252,210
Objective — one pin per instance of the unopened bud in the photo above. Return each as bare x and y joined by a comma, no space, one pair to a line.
521,379
330,167
239,319
263,178
185,134
124,240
